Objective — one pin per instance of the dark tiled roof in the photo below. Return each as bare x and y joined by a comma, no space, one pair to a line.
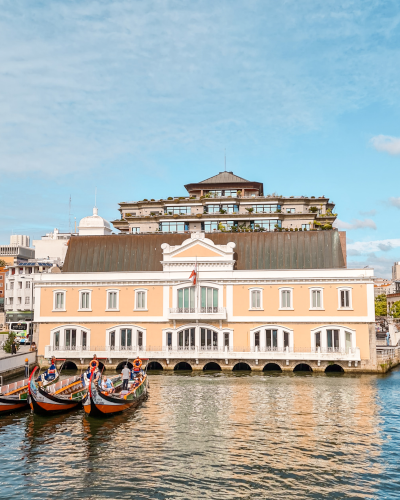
223,177
294,250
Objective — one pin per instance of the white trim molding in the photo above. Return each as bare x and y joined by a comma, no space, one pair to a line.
112,290
260,290
323,338
286,289
64,293
135,331
348,289
62,337
321,296
262,331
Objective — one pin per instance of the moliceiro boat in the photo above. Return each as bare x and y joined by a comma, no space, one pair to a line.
14,397
62,396
99,402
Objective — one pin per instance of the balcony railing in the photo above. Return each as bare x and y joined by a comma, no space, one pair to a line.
197,312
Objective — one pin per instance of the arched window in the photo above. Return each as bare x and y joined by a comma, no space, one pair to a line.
271,338
186,339
208,339
333,338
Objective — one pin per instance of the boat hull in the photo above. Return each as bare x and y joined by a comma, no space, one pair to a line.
11,404
97,404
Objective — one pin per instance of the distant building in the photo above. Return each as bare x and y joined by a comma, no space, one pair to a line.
396,271
12,254
19,240
225,203
394,296
383,286
94,225
52,246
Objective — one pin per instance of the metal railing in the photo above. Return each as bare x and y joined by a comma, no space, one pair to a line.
197,310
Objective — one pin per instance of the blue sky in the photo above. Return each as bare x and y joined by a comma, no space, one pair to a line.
140,98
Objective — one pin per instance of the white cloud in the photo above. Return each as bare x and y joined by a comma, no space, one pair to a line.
355,224
386,143
371,213
395,202
382,265
365,247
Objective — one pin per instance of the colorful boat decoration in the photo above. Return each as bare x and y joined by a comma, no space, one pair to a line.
100,403
60,397
14,397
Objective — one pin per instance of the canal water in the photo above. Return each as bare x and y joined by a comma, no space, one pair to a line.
216,436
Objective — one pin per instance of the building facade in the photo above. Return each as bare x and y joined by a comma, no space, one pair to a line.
263,300
225,202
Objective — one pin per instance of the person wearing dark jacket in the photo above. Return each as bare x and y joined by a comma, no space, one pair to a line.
13,347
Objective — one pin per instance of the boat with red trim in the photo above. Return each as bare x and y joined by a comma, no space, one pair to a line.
101,402
60,397
14,396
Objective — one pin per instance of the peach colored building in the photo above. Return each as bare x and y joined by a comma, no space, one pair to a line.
267,300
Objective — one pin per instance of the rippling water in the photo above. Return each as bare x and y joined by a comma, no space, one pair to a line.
216,436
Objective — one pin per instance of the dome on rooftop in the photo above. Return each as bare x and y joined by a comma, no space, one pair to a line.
94,225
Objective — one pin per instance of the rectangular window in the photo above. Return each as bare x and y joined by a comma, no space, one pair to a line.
318,339
126,338
140,339
169,339
230,209
12,285
112,340
85,300
286,299
84,339
265,209
344,298
20,285
70,339
140,300
211,209
56,339
271,339
59,300
11,300
285,339
177,210
305,227
290,210
209,227
173,227
332,338
27,284
27,300
257,339
226,339
18,300
186,299
268,225
209,299
112,300
255,299
135,230
316,299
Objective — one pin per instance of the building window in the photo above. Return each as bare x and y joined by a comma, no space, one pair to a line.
211,209
186,299
141,300
140,339
126,338
27,300
257,339
70,339
255,299
27,284
336,339
265,209
85,299
19,300
20,285
268,225
230,209
345,298
11,301
209,299
271,340
226,339
286,301
305,227
332,340
173,227
169,339
112,340
208,339
177,210
135,230
112,300
59,301
316,298
209,227
12,285
222,192
56,340
290,210
186,339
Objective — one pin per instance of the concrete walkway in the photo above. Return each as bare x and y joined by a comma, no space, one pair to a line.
22,350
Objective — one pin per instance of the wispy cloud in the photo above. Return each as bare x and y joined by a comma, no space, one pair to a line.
365,247
382,265
355,224
369,213
386,143
395,202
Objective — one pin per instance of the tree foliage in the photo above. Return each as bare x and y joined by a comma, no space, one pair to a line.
9,341
395,309
381,305
3,263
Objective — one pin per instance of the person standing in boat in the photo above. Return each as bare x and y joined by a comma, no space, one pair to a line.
125,377
51,372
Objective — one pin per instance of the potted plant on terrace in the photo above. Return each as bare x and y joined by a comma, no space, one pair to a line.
250,210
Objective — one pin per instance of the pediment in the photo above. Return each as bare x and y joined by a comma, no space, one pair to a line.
196,250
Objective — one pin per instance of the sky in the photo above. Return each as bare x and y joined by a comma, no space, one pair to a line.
137,99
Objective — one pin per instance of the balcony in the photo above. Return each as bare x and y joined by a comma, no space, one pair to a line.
197,313
206,352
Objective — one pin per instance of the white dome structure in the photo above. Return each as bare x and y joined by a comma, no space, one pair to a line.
94,225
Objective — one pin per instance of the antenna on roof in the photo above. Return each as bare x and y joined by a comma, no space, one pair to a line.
225,158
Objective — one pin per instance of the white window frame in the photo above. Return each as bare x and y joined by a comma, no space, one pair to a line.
27,284
112,290
350,290
286,289
79,329
80,300
141,290
27,300
260,290
317,289
324,337
55,292
135,335
280,337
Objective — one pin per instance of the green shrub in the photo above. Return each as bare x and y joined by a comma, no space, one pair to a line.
9,341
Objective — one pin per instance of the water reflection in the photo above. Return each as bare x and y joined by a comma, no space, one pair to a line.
215,436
